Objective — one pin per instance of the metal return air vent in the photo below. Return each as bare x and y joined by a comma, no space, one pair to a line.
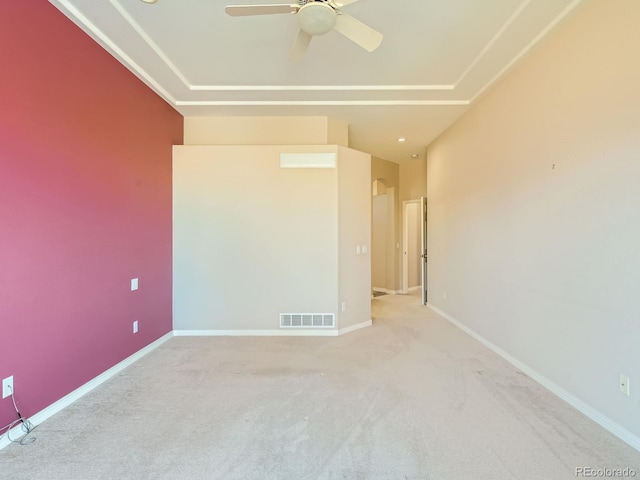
307,320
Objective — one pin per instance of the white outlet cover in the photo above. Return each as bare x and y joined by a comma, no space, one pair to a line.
7,386
134,284
624,385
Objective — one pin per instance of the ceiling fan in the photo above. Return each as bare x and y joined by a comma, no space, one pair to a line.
316,17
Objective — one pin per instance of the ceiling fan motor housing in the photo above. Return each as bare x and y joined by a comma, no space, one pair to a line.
317,18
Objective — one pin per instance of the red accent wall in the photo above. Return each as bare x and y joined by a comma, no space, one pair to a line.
85,205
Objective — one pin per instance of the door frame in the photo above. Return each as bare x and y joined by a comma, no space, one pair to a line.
423,255
405,242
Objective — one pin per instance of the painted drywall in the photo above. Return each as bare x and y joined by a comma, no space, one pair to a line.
533,211
85,205
265,131
413,226
379,238
388,173
354,228
337,132
252,240
413,185
413,179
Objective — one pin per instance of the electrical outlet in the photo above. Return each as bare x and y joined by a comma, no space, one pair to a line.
344,306
135,326
624,385
134,284
7,386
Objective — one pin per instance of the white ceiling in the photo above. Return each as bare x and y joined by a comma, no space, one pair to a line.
436,58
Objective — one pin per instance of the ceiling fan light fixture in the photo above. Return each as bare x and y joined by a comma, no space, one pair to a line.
317,18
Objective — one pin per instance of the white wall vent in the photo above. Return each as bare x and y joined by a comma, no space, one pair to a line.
307,320
307,160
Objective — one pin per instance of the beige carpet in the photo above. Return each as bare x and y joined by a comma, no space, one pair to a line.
410,398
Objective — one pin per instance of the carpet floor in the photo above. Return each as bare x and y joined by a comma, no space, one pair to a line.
410,398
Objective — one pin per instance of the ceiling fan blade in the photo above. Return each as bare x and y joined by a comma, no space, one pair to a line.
300,46
358,32
244,10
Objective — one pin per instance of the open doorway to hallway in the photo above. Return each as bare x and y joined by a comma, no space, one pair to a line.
383,239
414,248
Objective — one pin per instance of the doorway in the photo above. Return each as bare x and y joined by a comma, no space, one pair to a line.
415,248
383,239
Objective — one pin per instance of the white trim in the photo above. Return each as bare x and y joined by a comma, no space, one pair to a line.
598,417
493,40
386,290
319,88
299,332
77,17
570,8
147,39
353,328
271,103
80,392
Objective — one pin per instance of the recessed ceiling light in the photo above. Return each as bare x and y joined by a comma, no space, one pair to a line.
402,139
149,1
415,155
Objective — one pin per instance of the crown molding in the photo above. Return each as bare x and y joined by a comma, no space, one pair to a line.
270,103
99,36
67,6
570,8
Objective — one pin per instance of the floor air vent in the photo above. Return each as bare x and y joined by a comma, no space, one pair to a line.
307,320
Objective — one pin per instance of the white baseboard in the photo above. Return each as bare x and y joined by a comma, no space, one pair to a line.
413,289
284,332
353,328
298,332
598,417
78,393
386,290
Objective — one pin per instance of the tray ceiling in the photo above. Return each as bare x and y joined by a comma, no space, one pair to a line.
435,60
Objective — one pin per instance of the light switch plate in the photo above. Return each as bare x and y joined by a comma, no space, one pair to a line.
134,284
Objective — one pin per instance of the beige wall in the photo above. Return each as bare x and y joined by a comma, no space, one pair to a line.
265,131
380,234
354,228
414,244
413,179
252,240
389,260
413,185
534,206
